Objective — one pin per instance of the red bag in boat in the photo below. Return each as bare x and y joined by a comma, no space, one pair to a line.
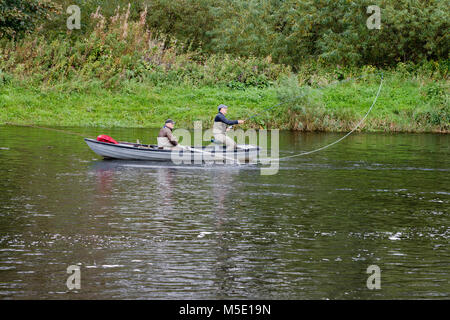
107,139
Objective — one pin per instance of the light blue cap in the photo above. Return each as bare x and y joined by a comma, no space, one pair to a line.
221,106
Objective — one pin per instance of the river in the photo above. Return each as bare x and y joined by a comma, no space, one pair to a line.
148,230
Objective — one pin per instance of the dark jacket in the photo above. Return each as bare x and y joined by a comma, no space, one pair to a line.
166,132
221,118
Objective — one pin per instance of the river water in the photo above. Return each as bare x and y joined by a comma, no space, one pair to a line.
146,230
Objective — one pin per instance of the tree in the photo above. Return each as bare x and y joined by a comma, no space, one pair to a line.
187,21
333,31
20,16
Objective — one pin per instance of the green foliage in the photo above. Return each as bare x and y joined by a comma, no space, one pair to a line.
245,27
436,97
119,50
290,32
19,16
5,78
302,108
187,21
293,32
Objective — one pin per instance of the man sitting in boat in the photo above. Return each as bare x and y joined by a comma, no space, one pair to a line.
166,140
220,127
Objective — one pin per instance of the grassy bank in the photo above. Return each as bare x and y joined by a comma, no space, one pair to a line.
122,75
404,105
135,105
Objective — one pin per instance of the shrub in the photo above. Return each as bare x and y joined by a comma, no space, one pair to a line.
118,49
18,16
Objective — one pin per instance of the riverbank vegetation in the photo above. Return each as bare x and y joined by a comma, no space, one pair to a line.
136,65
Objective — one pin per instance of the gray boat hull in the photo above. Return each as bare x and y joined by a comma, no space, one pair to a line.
131,151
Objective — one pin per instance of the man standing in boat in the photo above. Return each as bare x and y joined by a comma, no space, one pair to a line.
166,140
220,127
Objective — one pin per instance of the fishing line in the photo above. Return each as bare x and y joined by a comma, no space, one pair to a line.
264,110
345,136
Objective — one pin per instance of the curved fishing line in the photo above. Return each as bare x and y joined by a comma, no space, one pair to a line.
345,136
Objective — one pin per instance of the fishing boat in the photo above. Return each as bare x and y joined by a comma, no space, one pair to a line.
137,151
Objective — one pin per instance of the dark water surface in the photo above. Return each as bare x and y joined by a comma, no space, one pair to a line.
142,230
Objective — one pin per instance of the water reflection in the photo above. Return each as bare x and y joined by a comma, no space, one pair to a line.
158,231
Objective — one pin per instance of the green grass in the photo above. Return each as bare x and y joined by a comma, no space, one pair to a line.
404,105
136,105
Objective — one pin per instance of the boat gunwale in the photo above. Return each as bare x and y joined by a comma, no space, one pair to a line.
170,151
